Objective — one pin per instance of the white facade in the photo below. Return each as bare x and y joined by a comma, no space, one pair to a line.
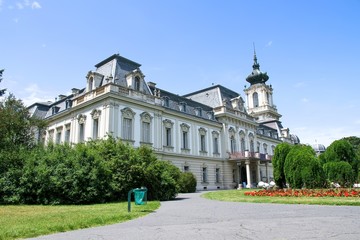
217,139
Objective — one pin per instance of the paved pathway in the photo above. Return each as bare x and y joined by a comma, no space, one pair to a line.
192,217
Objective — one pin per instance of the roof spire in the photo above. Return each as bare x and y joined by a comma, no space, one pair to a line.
256,65
256,76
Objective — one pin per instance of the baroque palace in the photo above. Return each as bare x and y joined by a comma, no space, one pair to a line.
225,141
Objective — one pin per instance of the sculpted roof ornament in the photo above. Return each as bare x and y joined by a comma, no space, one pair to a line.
257,76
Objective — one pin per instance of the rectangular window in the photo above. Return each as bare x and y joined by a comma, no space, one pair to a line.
216,145
202,143
51,136
204,174
186,169
127,129
232,145
168,137
67,135
217,175
81,132
96,129
146,132
242,144
185,140
58,137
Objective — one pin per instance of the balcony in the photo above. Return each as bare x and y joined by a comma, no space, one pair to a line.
246,155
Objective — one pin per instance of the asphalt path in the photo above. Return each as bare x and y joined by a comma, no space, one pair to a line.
193,217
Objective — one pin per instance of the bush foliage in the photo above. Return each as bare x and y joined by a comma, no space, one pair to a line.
278,161
303,169
95,172
187,182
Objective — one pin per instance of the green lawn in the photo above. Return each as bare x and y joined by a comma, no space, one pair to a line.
238,196
30,221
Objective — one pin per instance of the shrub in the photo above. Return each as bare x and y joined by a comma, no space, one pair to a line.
303,169
95,172
342,150
278,161
339,172
187,182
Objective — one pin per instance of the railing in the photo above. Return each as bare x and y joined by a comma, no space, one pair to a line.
120,90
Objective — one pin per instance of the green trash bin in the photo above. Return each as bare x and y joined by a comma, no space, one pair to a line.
140,196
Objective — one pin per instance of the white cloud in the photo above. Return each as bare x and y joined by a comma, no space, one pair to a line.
35,5
32,93
24,4
304,100
269,44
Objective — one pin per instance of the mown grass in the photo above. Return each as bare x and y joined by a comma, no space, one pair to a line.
30,221
238,196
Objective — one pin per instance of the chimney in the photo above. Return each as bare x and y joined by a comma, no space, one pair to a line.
61,96
75,91
151,84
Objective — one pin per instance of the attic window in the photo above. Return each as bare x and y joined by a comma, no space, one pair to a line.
198,111
166,102
68,104
55,110
137,84
182,106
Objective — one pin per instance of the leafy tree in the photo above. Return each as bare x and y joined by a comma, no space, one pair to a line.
354,141
2,91
342,150
303,169
278,161
15,124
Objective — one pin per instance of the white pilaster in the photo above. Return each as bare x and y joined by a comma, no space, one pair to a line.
248,178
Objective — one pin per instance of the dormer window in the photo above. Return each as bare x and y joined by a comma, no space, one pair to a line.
137,84
68,103
198,111
166,102
91,83
182,107
54,110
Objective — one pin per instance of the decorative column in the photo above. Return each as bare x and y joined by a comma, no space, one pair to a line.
248,179
267,172
258,171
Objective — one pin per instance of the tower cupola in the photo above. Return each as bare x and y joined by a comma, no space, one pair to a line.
256,75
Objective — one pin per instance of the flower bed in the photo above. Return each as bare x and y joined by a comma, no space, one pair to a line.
305,193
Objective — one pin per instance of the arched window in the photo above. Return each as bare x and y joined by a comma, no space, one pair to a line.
255,99
268,97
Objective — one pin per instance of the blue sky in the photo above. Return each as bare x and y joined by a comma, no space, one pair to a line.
310,50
